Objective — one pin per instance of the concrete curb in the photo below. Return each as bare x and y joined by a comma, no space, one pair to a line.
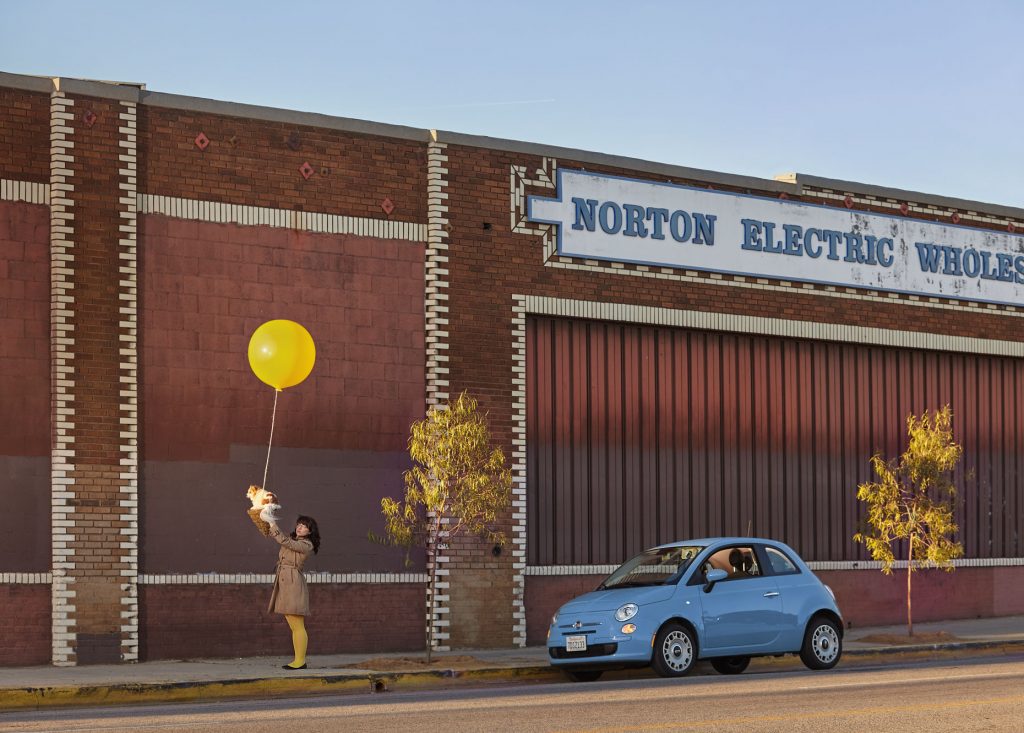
39,698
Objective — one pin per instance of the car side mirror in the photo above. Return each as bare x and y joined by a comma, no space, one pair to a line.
713,577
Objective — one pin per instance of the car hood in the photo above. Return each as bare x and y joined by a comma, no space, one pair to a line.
609,600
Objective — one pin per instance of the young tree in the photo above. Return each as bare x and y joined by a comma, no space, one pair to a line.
912,500
458,484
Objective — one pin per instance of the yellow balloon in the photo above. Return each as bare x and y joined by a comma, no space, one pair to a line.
281,353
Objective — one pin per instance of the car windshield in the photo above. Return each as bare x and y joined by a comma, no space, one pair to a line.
652,567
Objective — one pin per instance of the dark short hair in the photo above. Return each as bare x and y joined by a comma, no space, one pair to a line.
314,531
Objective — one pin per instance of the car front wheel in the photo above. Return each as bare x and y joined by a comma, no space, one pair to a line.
823,644
675,651
730,665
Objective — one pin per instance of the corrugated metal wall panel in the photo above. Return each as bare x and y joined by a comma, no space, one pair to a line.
643,434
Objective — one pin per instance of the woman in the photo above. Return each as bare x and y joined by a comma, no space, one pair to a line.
290,596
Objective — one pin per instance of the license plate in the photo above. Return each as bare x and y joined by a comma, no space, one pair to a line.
575,643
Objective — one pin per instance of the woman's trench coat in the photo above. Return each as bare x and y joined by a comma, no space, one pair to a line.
290,594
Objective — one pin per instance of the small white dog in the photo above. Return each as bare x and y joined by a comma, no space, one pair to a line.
265,506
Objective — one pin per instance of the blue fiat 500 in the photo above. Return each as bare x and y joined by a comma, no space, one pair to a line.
725,600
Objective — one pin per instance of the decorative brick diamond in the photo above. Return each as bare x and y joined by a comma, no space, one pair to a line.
783,196
202,142
89,118
849,202
306,170
1011,228
955,218
904,208
388,206
294,141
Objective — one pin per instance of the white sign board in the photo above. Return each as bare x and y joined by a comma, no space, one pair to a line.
661,224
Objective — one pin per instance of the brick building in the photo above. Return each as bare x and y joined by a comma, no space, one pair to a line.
642,395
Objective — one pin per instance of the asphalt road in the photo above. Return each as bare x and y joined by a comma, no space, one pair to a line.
978,695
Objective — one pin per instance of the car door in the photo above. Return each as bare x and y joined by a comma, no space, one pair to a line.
742,614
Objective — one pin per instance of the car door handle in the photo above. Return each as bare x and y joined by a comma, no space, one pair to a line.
771,594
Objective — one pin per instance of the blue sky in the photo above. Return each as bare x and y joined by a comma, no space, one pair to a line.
927,96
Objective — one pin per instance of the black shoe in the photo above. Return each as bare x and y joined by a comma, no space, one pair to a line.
288,666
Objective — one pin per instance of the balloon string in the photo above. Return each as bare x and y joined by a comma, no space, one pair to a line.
273,417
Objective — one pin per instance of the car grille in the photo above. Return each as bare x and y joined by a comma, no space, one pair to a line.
597,650
588,627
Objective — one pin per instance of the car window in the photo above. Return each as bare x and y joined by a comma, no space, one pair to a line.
781,565
739,562
652,567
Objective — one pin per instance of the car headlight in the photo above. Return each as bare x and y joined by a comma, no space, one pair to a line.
626,612
830,592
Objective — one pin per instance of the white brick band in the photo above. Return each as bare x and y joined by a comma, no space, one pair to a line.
27,191
26,578
968,562
768,326
265,578
990,562
309,221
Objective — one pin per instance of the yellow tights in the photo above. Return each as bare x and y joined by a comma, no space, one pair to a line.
299,638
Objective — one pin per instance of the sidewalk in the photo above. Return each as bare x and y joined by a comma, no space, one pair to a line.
209,679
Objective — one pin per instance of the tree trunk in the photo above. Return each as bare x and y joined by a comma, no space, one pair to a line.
431,596
910,563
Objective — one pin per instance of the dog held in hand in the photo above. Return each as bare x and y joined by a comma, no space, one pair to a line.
264,508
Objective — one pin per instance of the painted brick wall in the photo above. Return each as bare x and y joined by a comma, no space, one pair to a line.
257,163
25,386
24,136
339,437
545,594
183,621
25,632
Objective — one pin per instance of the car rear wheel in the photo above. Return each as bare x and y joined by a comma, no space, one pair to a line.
583,675
675,651
730,665
823,644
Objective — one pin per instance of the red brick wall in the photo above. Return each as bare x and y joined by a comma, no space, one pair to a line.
25,386
24,136
183,621
25,631
545,594
251,162
869,598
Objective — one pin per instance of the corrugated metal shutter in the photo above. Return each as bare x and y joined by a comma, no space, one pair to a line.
638,435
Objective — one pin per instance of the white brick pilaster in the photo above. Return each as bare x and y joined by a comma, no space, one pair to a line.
62,378
436,275
436,343
128,377
518,469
